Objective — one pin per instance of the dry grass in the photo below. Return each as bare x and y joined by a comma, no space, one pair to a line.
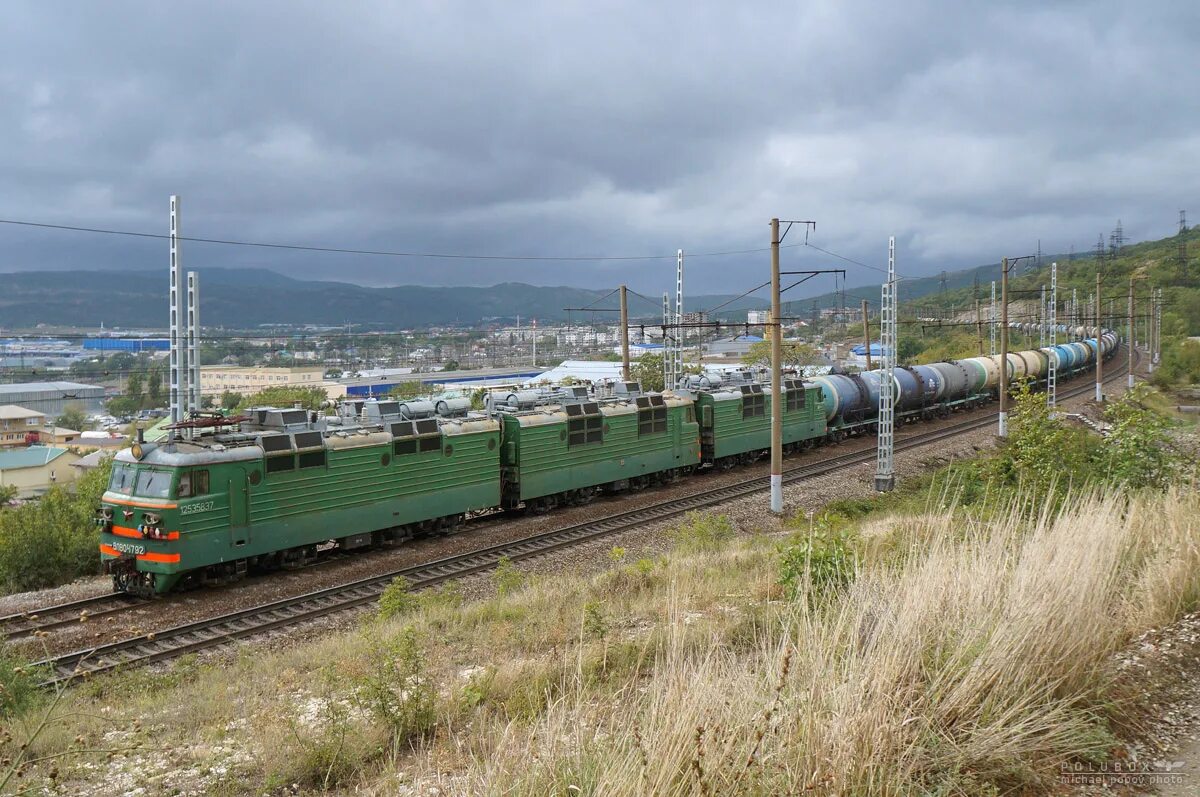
983,664
964,657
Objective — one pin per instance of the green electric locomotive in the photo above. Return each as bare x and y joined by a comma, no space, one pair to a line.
265,490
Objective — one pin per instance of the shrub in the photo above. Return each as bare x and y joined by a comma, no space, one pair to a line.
595,622
820,562
395,689
397,600
507,578
702,533
18,684
53,540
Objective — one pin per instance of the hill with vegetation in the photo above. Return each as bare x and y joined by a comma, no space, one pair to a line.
246,298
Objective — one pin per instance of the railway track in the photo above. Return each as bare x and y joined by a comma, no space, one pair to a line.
32,623
212,632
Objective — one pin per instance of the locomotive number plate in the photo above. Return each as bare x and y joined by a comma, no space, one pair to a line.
125,547
191,509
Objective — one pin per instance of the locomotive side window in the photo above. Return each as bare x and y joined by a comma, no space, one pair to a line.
280,464
313,459
795,400
582,431
754,406
194,482
652,420
401,447
430,444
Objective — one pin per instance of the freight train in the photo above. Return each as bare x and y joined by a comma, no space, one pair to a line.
270,488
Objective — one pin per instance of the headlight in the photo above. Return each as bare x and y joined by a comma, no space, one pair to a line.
151,519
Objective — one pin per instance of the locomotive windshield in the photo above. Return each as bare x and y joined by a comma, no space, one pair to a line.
122,478
153,483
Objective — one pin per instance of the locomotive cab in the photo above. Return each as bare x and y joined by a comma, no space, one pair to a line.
143,513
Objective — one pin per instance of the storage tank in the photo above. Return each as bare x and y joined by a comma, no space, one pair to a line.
1064,357
982,373
870,383
453,406
416,409
910,393
1016,367
957,382
842,395
1035,363
930,381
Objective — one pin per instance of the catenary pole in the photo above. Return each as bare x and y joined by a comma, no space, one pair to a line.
866,333
1003,430
1099,359
776,377
624,334
1129,383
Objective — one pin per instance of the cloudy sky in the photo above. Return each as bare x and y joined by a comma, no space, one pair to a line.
969,130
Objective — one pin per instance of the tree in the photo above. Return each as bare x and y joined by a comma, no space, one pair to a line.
7,493
309,398
133,388
123,405
794,354
72,417
407,390
230,400
154,389
450,365
648,371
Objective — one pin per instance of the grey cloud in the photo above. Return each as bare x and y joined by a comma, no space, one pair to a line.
968,130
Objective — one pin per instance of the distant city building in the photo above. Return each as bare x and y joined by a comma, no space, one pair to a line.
596,371
19,426
51,398
216,379
36,469
134,345
756,317
738,346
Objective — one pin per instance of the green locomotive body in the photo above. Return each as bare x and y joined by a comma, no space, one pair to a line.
208,510
566,452
735,420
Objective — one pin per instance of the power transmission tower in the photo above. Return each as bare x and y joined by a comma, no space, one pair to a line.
1182,239
885,474
1100,248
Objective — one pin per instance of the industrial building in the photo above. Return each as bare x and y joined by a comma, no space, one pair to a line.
216,379
132,345
442,380
51,398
